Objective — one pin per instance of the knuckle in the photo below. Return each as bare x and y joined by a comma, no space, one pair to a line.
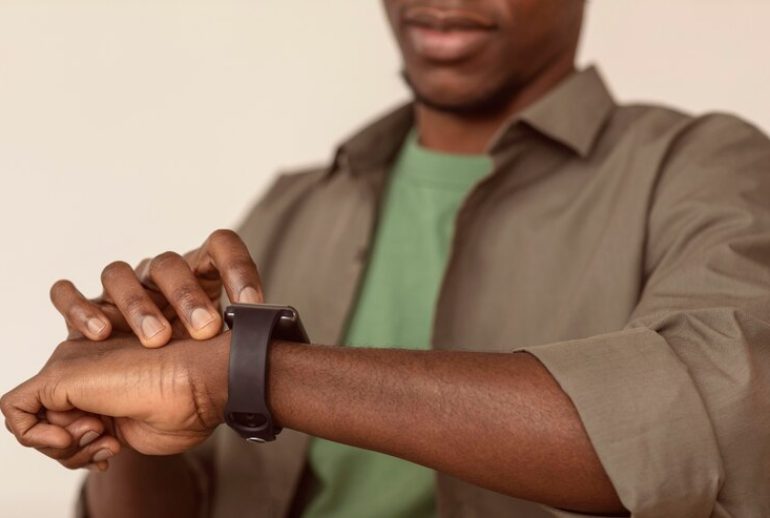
113,270
75,313
243,264
163,262
59,287
242,268
224,236
134,304
6,406
187,296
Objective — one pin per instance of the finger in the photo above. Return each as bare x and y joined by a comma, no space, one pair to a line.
174,278
21,408
84,428
98,452
143,274
80,314
117,320
141,313
226,255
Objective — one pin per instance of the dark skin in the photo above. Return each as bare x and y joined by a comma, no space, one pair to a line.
509,427
474,64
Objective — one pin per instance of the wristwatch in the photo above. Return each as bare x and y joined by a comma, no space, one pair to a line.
253,327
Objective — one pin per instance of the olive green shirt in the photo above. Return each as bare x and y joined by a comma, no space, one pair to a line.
626,247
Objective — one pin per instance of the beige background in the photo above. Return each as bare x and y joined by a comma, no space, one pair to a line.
130,127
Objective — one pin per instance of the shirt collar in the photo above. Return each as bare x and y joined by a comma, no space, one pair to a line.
377,144
572,113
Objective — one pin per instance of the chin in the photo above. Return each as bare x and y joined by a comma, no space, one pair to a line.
458,95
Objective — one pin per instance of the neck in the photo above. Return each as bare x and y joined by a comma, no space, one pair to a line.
471,133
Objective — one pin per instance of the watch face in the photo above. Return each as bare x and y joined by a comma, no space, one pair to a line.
288,313
289,326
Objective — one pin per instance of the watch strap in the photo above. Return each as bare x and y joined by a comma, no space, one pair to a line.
253,327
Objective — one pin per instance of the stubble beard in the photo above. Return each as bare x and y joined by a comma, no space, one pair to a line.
486,103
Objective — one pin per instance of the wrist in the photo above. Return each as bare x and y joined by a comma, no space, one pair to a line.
208,367
217,378
255,329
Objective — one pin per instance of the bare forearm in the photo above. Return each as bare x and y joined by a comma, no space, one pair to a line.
142,486
496,420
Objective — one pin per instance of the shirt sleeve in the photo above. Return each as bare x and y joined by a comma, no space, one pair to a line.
677,404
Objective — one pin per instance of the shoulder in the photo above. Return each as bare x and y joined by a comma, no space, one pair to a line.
707,178
678,131
721,138
290,184
713,180
665,144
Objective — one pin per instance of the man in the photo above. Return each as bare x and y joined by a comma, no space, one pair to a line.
593,281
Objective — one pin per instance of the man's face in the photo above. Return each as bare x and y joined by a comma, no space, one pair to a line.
471,55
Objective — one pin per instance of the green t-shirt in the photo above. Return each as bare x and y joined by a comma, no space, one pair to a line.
395,309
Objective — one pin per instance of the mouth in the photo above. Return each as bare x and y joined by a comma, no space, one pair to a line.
446,35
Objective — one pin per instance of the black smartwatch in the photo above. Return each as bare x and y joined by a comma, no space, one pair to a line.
253,327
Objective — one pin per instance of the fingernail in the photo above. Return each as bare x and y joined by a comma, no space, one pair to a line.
249,295
95,325
88,437
151,326
101,455
200,318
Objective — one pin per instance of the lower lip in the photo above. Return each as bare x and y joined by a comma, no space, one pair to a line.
446,46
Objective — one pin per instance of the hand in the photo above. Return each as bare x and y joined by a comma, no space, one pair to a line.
168,296
158,402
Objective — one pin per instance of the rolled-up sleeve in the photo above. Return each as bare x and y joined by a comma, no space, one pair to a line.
677,404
